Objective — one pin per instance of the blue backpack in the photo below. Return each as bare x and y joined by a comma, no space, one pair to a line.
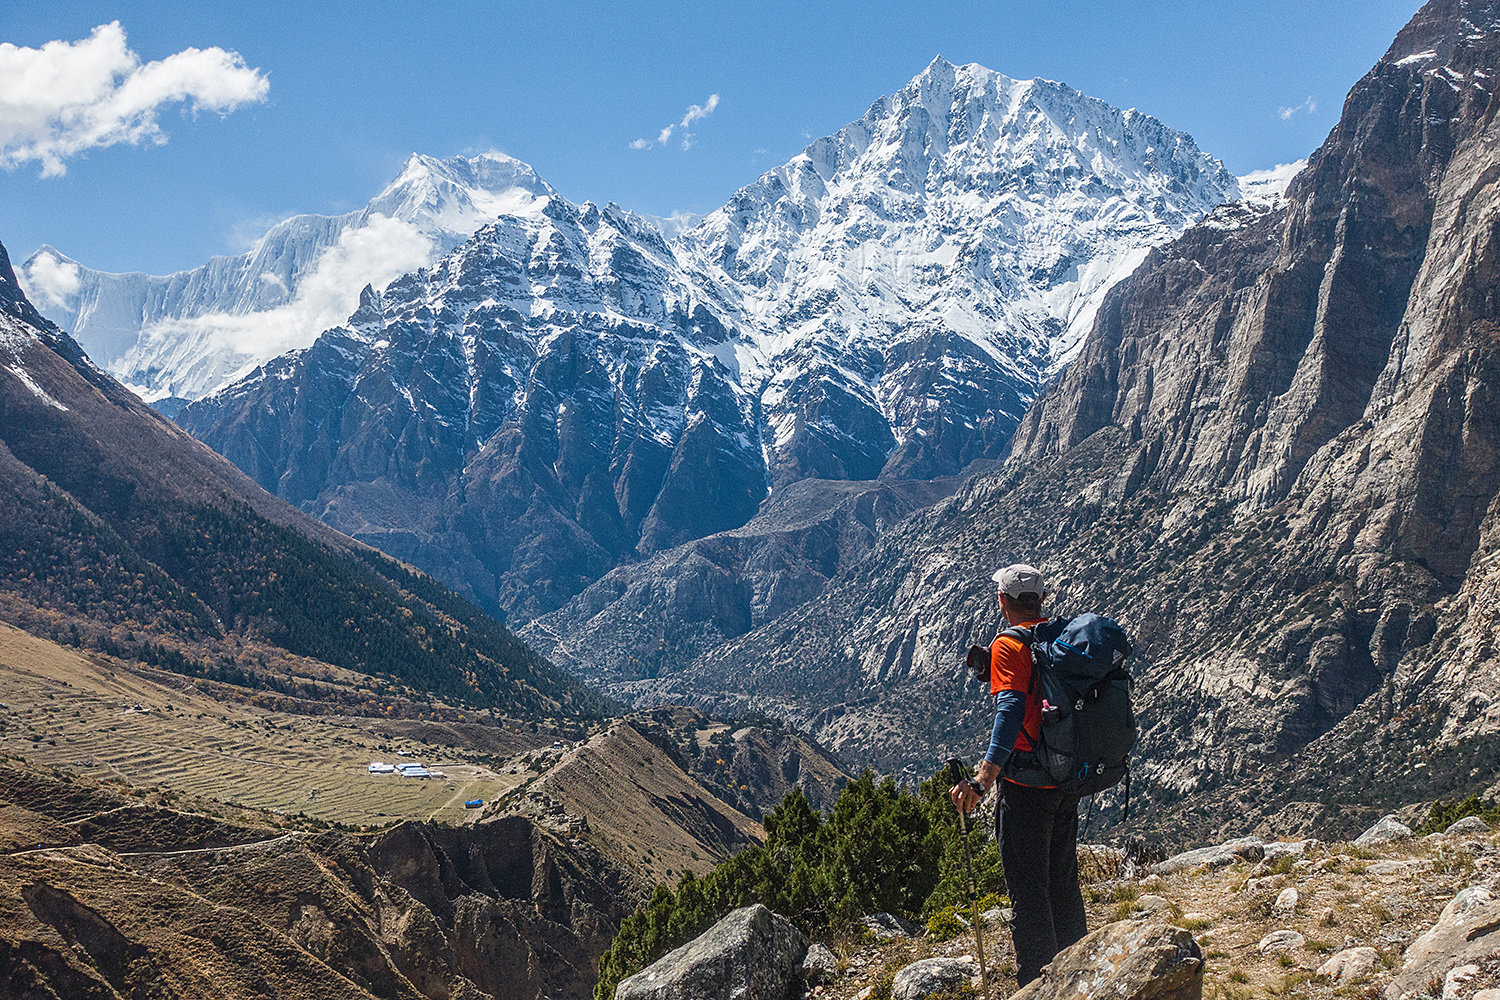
1088,726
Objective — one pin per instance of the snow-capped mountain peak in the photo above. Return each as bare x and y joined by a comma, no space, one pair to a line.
969,209
453,193
185,334
577,390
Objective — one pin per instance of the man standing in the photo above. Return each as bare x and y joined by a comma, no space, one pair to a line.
1037,823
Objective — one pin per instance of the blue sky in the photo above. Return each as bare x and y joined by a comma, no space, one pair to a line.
351,89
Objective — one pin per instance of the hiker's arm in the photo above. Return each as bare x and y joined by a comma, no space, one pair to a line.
1010,712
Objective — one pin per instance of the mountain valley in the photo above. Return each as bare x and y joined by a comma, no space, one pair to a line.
644,538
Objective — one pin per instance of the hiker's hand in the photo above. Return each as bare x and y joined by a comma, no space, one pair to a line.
964,795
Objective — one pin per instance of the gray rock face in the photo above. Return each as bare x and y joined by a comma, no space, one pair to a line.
1288,848
751,954
887,926
1249,849
1469,824
1349,964
931,975
1282,940
1127,960
1467,931
1388,829
820,964
1271,459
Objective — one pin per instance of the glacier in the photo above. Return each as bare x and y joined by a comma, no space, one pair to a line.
180,336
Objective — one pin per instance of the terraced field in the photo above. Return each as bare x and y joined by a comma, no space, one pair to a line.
65,710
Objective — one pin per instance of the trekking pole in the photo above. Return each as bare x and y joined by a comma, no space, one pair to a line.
958,773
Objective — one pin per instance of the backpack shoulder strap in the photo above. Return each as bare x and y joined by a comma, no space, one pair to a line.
1019,633
1025,636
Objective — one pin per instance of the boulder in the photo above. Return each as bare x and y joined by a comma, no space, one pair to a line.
887,926
1282,940
1456,979
997,916
1384,832
1469,824
1466,932
1249,849
1349,964
1254,885
1289,848
751,954
931,975
1125,960
1150,903
1286,903
820,964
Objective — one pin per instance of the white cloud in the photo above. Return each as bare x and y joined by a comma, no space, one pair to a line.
50,280
67,97
1308,105
374,254
695,113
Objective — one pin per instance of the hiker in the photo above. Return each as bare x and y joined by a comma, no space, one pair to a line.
1037,823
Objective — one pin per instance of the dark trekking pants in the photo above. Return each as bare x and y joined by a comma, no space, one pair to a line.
1038,830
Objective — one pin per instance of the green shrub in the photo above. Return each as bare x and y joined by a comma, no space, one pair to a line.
882,848
944,924
1442,815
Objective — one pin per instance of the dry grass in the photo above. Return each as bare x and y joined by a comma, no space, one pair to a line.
1336,889
97,720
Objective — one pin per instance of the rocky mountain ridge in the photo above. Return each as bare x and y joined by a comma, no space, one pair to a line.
126,536
569,391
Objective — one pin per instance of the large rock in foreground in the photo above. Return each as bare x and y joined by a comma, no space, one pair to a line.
1468,931
1125,960
752,954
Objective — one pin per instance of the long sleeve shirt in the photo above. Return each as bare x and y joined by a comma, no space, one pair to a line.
1018,719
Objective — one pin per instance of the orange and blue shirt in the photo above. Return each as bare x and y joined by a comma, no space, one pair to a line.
1018,719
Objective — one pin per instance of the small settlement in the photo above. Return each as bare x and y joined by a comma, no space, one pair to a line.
406,770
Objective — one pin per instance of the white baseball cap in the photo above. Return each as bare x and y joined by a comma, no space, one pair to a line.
1019,578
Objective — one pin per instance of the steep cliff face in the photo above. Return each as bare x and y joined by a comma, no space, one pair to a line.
1274,460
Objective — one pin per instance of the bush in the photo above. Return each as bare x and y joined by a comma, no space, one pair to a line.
1442,815
881,848
944,924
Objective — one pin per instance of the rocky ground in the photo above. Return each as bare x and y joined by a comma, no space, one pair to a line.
1280,919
